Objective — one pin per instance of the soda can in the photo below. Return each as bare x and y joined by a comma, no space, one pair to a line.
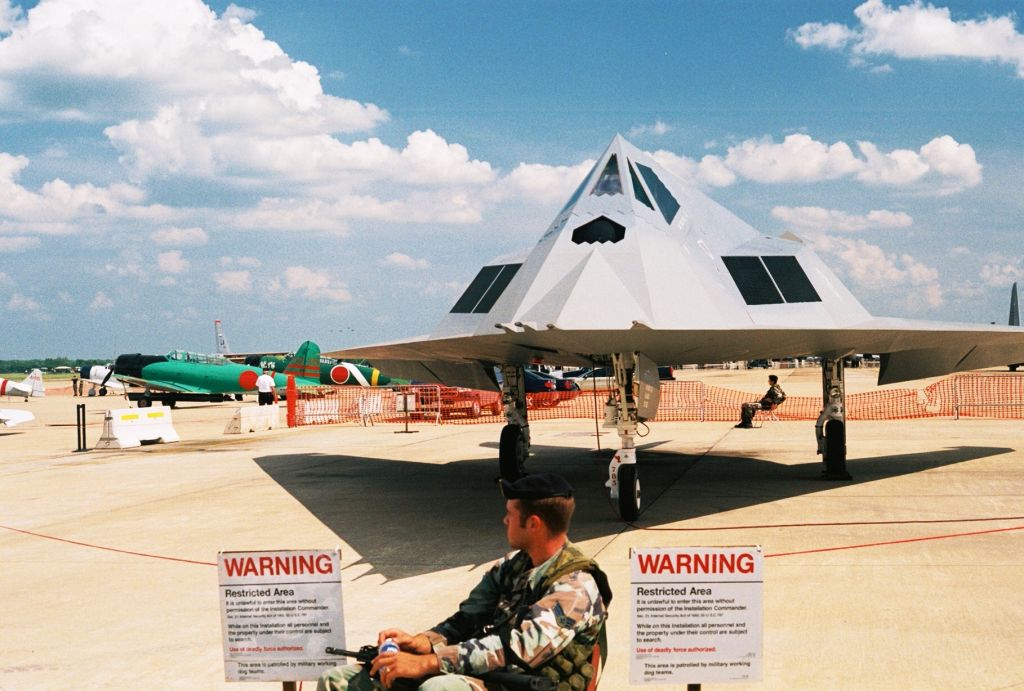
388,646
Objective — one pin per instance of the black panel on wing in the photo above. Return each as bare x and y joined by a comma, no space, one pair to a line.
790,278
753,280
508,271
476,290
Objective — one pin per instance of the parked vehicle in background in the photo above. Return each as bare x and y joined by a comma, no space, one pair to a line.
447,401
546,390
754,364
604,377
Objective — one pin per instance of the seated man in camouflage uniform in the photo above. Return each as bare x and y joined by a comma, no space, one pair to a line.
540,610
772,399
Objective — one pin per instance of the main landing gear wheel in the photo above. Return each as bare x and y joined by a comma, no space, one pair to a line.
512,453
629,492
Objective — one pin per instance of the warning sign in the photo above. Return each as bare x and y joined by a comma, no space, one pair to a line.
697,615
278,611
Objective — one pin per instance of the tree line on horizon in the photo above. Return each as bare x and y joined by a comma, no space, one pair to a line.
47,364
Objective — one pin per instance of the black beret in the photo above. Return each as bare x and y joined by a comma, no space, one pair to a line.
536,486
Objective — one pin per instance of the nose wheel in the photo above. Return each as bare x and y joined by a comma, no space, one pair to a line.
629,492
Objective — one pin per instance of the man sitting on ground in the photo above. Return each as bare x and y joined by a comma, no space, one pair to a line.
772,399
540,610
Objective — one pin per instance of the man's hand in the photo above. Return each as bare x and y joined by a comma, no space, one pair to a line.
391,666
418,644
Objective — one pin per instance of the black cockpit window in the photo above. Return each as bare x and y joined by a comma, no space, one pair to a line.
609,182
790,278
638,189
753,280
485,289
601,229
664,199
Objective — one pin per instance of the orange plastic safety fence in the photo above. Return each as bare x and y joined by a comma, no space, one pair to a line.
989,395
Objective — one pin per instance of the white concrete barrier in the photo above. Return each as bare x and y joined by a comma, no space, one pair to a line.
127,427
254,418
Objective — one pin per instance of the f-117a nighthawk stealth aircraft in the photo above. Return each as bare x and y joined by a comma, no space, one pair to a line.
640,269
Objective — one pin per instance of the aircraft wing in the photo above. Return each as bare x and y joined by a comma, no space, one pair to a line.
159,385
910,349
10,418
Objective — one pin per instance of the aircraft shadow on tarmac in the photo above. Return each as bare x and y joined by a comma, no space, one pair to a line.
406,518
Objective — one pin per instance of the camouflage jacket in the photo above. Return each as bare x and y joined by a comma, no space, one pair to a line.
505,622
775,395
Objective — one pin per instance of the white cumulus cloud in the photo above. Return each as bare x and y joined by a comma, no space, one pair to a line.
657,129
814,219
871,267
1001,275
304,282
919,31
172,262
233,281
404,261
546,183
942,166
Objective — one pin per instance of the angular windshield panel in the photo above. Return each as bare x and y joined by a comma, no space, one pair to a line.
601,229
666,202
609,182
638,189
476,290
790,278
508,272
753,280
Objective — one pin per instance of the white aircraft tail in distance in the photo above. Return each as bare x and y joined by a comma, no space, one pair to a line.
222,342
32,385
641,269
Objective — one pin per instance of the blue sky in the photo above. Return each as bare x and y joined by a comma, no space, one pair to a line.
340,170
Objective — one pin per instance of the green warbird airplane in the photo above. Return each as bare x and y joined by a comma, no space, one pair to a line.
182,375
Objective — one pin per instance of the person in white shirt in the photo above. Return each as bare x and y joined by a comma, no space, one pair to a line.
265,388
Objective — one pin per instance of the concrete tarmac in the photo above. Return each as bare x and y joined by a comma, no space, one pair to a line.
908,576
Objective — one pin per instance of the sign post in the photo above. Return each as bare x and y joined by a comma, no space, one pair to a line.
697,615
279,610
405,402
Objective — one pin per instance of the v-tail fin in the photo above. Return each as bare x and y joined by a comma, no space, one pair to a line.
1014,307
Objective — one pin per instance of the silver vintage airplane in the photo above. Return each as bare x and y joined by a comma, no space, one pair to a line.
640,269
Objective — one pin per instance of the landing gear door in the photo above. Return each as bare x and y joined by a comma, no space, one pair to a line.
648,387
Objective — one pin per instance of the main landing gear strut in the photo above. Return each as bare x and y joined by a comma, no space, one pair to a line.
623,479
514,446
830,429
